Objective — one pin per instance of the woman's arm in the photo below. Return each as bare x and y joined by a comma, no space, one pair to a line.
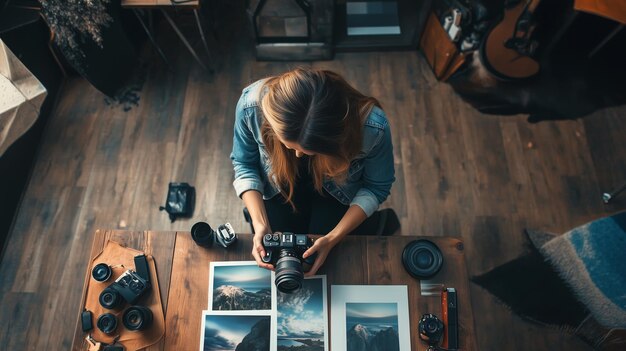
350,220
253,201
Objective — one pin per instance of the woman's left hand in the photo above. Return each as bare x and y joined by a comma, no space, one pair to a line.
322,246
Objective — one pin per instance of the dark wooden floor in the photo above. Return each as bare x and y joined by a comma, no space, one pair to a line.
460,173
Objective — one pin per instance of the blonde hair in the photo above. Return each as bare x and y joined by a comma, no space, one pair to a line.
321,112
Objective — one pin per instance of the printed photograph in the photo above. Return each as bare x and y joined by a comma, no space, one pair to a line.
372,327
235,333
240,287
301,322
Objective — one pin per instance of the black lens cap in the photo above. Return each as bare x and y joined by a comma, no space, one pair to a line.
107,323
101,272
422,258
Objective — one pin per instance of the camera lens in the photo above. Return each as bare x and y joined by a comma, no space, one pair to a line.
288,272
107,323
202,234
101,272
430,329
422,259
137,318
110,298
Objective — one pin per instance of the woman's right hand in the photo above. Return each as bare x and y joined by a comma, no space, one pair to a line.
257,246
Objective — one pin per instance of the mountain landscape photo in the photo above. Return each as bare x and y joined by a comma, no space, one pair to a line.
372,327
300,318
236,333
241,288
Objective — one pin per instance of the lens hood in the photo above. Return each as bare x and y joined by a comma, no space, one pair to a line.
422,258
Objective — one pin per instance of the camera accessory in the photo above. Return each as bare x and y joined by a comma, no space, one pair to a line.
107,323
180,200
285,251
137,318
110,298
85,320
430,329
225,235
141,267
453,323
131,286
205,236
101,272
422,258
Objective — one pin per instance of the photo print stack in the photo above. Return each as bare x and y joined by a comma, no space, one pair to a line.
247,313
240,308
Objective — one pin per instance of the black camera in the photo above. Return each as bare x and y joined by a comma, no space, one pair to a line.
430,329
284,251
131,286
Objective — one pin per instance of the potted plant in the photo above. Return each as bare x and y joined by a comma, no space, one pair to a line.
90,36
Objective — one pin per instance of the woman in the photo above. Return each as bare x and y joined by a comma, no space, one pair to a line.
311,155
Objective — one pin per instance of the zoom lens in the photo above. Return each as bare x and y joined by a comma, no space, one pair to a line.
107,323
288,272
137,318
422,259
110,298
101,272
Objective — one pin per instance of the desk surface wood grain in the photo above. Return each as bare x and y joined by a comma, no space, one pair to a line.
183,271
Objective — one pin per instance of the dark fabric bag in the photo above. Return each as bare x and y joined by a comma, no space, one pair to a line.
180,200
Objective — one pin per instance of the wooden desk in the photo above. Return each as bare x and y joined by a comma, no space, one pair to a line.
183,271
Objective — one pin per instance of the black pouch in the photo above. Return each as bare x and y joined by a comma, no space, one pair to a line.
180,200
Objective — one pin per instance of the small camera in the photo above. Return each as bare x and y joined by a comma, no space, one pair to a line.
131,286
430,329
284,251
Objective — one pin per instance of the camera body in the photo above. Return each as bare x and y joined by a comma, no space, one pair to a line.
284,251
131,286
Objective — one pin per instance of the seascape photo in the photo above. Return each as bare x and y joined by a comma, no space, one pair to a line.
235,333
240,287
301,323
372,327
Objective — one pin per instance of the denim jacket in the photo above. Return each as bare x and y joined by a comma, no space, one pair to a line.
370,175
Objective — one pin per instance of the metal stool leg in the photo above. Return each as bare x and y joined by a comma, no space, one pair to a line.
149,33
607,197
183,39
201,30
